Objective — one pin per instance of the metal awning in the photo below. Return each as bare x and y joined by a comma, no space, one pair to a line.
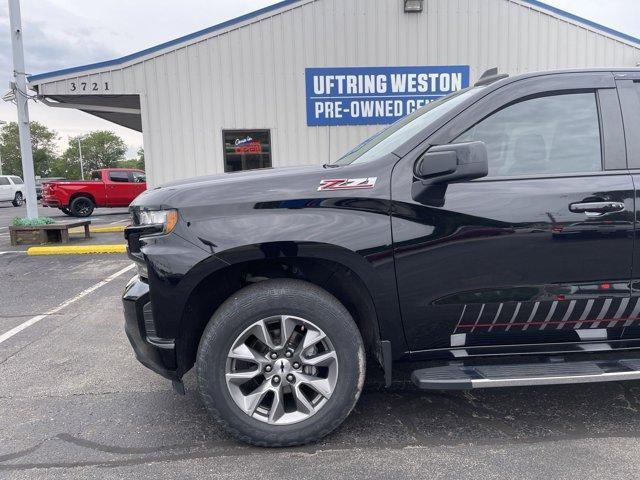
121,109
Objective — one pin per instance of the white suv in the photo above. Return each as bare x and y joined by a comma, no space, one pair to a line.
11,190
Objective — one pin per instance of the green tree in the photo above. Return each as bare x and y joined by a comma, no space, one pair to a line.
100,149
134,162
43,147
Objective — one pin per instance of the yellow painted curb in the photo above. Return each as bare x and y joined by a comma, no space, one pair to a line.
77,250
115,229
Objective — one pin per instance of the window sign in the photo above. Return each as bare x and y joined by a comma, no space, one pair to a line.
246,149
376,95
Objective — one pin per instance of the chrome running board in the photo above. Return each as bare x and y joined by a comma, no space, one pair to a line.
461,377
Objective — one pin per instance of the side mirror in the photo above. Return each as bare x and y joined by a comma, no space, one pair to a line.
444,164
453,163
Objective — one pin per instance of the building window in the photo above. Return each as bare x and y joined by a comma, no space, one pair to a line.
246,149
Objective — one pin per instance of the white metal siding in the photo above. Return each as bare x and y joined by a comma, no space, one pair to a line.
252,75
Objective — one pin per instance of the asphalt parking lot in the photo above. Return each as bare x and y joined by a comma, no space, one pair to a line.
74,403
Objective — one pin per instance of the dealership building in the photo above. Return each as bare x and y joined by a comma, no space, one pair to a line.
304,81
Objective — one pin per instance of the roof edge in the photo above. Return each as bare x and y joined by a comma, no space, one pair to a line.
165,45
280,5
577,18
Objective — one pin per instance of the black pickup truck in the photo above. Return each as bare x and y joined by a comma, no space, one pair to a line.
490,234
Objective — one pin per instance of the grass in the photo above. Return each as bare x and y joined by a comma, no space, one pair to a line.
32,222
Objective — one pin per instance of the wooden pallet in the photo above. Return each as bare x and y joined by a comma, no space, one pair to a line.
54,233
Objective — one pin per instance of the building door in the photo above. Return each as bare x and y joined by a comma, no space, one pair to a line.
540,251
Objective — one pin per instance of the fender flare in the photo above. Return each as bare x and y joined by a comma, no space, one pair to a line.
382,292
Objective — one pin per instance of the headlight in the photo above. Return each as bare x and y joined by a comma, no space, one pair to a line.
165,219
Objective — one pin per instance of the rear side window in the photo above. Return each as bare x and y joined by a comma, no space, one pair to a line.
119,177
542,135
17,180
4,181
96,176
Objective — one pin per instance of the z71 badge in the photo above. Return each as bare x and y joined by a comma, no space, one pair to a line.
347,183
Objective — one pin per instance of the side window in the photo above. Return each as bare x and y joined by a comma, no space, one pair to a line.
4,181
122,177
552,134
17,181
138,177
96,176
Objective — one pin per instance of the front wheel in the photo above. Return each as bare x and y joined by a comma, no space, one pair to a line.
18,200
280,363
66,211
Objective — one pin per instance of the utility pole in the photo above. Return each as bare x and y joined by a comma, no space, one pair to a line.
1,123
80,156
20,90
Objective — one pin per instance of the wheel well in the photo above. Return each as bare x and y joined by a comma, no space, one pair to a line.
337,279
81,194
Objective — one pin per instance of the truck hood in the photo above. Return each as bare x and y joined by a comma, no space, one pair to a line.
264,184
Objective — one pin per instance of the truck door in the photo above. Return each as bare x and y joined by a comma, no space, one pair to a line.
120,188
629,93
540,251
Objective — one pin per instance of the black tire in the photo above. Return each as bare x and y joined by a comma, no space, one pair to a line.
18,200
81,207
66,211
262,300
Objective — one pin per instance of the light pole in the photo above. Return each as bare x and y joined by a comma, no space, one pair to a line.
80,138
20,89
2,122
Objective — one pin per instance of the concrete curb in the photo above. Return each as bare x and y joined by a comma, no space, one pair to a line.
77,250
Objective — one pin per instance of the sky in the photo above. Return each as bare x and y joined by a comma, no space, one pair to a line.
67,33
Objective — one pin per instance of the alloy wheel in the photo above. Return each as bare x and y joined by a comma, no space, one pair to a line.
281,370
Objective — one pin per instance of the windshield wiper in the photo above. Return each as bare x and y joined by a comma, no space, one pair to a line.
330,165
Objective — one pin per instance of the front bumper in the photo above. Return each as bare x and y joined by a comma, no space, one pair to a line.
155,353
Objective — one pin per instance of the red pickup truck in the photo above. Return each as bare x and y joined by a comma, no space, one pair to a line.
109,187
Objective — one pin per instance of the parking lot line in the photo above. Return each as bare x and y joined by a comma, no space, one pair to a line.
14,331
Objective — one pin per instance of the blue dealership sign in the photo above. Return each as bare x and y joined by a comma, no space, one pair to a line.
376,95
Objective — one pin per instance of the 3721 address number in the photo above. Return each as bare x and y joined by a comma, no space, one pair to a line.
89,86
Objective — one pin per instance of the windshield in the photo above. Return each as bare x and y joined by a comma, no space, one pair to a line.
386,141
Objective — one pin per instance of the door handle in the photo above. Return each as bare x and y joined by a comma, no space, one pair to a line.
594,209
